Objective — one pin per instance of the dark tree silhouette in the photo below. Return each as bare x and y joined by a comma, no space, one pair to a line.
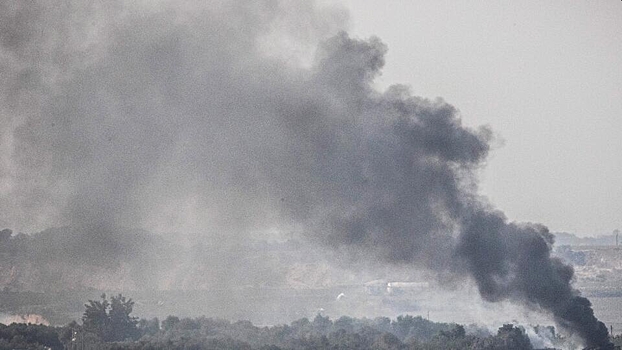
95,318
111,320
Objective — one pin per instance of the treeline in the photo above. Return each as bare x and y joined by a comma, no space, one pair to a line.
107,324
30,337
405,332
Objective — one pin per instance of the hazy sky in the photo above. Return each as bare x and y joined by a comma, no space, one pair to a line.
546,76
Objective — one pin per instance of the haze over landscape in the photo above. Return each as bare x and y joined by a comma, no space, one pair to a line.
254,149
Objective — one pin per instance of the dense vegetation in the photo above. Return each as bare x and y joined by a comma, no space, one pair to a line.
108,324
29,336
406,332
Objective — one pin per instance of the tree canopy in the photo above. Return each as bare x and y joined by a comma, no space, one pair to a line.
111,320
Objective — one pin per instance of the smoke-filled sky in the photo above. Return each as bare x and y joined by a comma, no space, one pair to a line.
226,118
546,77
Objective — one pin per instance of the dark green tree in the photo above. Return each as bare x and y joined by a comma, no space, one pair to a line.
111,320
122,325
455,333
95,319
170,323
149,327
514,337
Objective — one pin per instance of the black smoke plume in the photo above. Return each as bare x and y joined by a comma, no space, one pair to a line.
510,261
193,115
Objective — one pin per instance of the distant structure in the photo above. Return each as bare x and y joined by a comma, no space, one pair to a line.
401,287
381,287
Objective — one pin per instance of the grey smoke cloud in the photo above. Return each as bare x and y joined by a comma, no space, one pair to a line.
511,261
146,115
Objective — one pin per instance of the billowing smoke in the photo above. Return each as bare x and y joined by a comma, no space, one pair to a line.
194,116
511,261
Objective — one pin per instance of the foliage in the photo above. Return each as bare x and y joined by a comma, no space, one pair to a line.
404,333
149,327
111,320
29,336
107,324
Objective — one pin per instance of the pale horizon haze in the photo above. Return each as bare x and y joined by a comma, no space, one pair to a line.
545,76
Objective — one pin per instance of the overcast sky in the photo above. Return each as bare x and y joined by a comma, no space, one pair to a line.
546,76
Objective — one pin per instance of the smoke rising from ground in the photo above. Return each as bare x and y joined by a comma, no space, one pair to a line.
179,117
